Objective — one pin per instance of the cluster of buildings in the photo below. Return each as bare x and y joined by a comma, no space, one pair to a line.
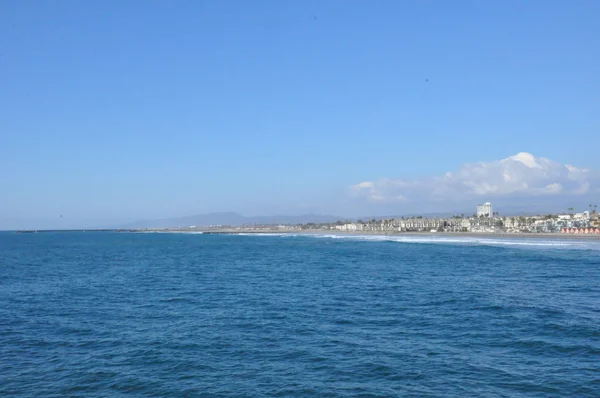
484,220
590,230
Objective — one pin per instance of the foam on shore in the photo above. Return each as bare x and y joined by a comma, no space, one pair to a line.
504,241
467,240
172,232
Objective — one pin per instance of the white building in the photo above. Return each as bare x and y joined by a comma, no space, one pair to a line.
349,227
485,210
466,223
582,216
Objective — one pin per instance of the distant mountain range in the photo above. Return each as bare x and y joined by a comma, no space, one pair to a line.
236,219
230,218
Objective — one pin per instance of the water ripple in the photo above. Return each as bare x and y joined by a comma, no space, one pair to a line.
203,315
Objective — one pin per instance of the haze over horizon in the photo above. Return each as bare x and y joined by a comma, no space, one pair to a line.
116,112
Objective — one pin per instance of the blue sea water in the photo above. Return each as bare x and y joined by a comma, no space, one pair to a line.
173,315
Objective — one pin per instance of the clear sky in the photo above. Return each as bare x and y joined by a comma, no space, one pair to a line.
114,111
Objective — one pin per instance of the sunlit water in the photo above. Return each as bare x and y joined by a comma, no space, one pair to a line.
107,314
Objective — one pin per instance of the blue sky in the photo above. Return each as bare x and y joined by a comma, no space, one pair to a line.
115,111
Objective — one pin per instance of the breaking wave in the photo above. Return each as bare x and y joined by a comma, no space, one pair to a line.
455,240
172,232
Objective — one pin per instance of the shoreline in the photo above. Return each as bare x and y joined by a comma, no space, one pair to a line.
308,232
522,235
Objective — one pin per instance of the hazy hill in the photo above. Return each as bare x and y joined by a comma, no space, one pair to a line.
229,218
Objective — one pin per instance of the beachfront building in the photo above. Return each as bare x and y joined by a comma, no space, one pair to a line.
589,230
457,224
511,222
465,224
582,216
487,221
485,210
421,224
351,227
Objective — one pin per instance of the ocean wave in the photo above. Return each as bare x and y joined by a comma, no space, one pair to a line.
171,232
535,242
278,234
554,243
453,240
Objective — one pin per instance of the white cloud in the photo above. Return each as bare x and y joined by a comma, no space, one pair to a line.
366,184
520,175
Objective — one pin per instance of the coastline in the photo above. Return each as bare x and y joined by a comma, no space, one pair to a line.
308,232
488,235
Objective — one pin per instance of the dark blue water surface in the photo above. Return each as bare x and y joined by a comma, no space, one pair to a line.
109,314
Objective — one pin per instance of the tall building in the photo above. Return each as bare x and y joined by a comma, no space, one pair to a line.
485,210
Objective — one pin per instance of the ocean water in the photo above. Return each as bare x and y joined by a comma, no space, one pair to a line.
173,315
